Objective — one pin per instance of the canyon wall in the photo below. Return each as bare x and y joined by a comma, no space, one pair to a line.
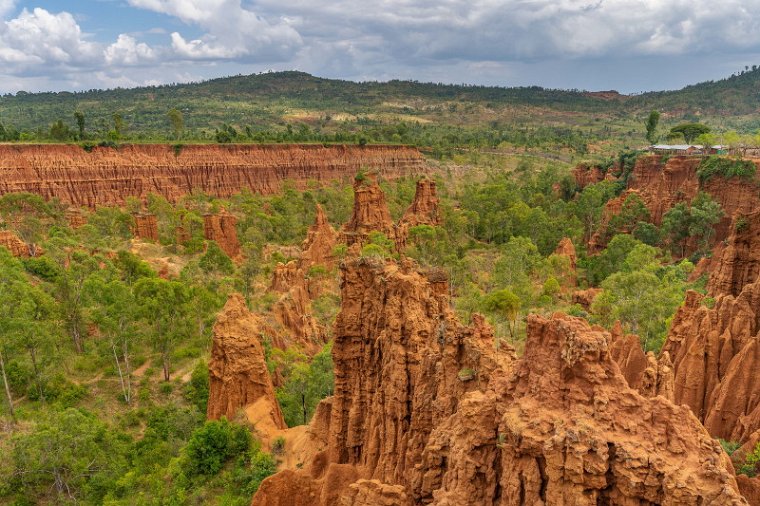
714,340
107,176
427,411
663,185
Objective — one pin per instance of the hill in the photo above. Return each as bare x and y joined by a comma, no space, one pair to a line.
298,107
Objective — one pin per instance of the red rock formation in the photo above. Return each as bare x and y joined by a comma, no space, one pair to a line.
626,351
370,213
713,351
585,174
16,246
566,249
146,227
293,311
428,412
422,211
238,374
75,217
739,262
585,298
320,242
663,186
107,176
182,235
222,229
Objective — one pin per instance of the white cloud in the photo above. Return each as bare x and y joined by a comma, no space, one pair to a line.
491,41
127,51
39,37
232,31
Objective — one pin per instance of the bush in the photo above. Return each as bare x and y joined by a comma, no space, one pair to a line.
216,260
212,445
196,390
725,167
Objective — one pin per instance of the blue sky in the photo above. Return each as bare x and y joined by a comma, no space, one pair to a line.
628,45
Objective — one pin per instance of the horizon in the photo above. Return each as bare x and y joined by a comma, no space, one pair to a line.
367,81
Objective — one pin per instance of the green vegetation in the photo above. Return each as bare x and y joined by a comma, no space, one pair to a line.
101,354
688,131
712,166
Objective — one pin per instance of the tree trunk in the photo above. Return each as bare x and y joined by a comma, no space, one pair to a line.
118,368
36,373
128,370
77,338
7,389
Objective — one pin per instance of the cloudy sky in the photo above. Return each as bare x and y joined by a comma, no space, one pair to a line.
628,45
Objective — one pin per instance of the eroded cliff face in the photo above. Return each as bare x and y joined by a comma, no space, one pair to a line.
585,174
16,246
739,260
427,411
238,375
222,228
146,227
713,342
661,186
370,213
423,211
320,242
107,176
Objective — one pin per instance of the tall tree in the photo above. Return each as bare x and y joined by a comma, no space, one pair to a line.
177,122
651,125
79,116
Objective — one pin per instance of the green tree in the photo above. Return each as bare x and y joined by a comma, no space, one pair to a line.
643,295
177,122
507,304
65,452
60,131
690,131
79,116
214,444
651,125
165,304
118,124
115,315
306,383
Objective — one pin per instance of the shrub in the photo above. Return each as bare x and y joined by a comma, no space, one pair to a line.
196,390
212,445
725,167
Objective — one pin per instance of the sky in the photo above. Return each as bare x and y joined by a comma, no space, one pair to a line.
627,45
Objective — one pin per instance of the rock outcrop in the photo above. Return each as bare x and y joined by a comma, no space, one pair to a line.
320,242
370,212
146,227
423,211
107,176
427,411
238,375
75,217
663,185
566,249
16,246
222,228
739,261
585,298
714,341
585,174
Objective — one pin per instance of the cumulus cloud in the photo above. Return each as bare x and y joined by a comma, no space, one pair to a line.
232,31
127,51
478,41
39,37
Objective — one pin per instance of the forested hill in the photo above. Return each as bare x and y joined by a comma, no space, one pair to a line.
272,106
